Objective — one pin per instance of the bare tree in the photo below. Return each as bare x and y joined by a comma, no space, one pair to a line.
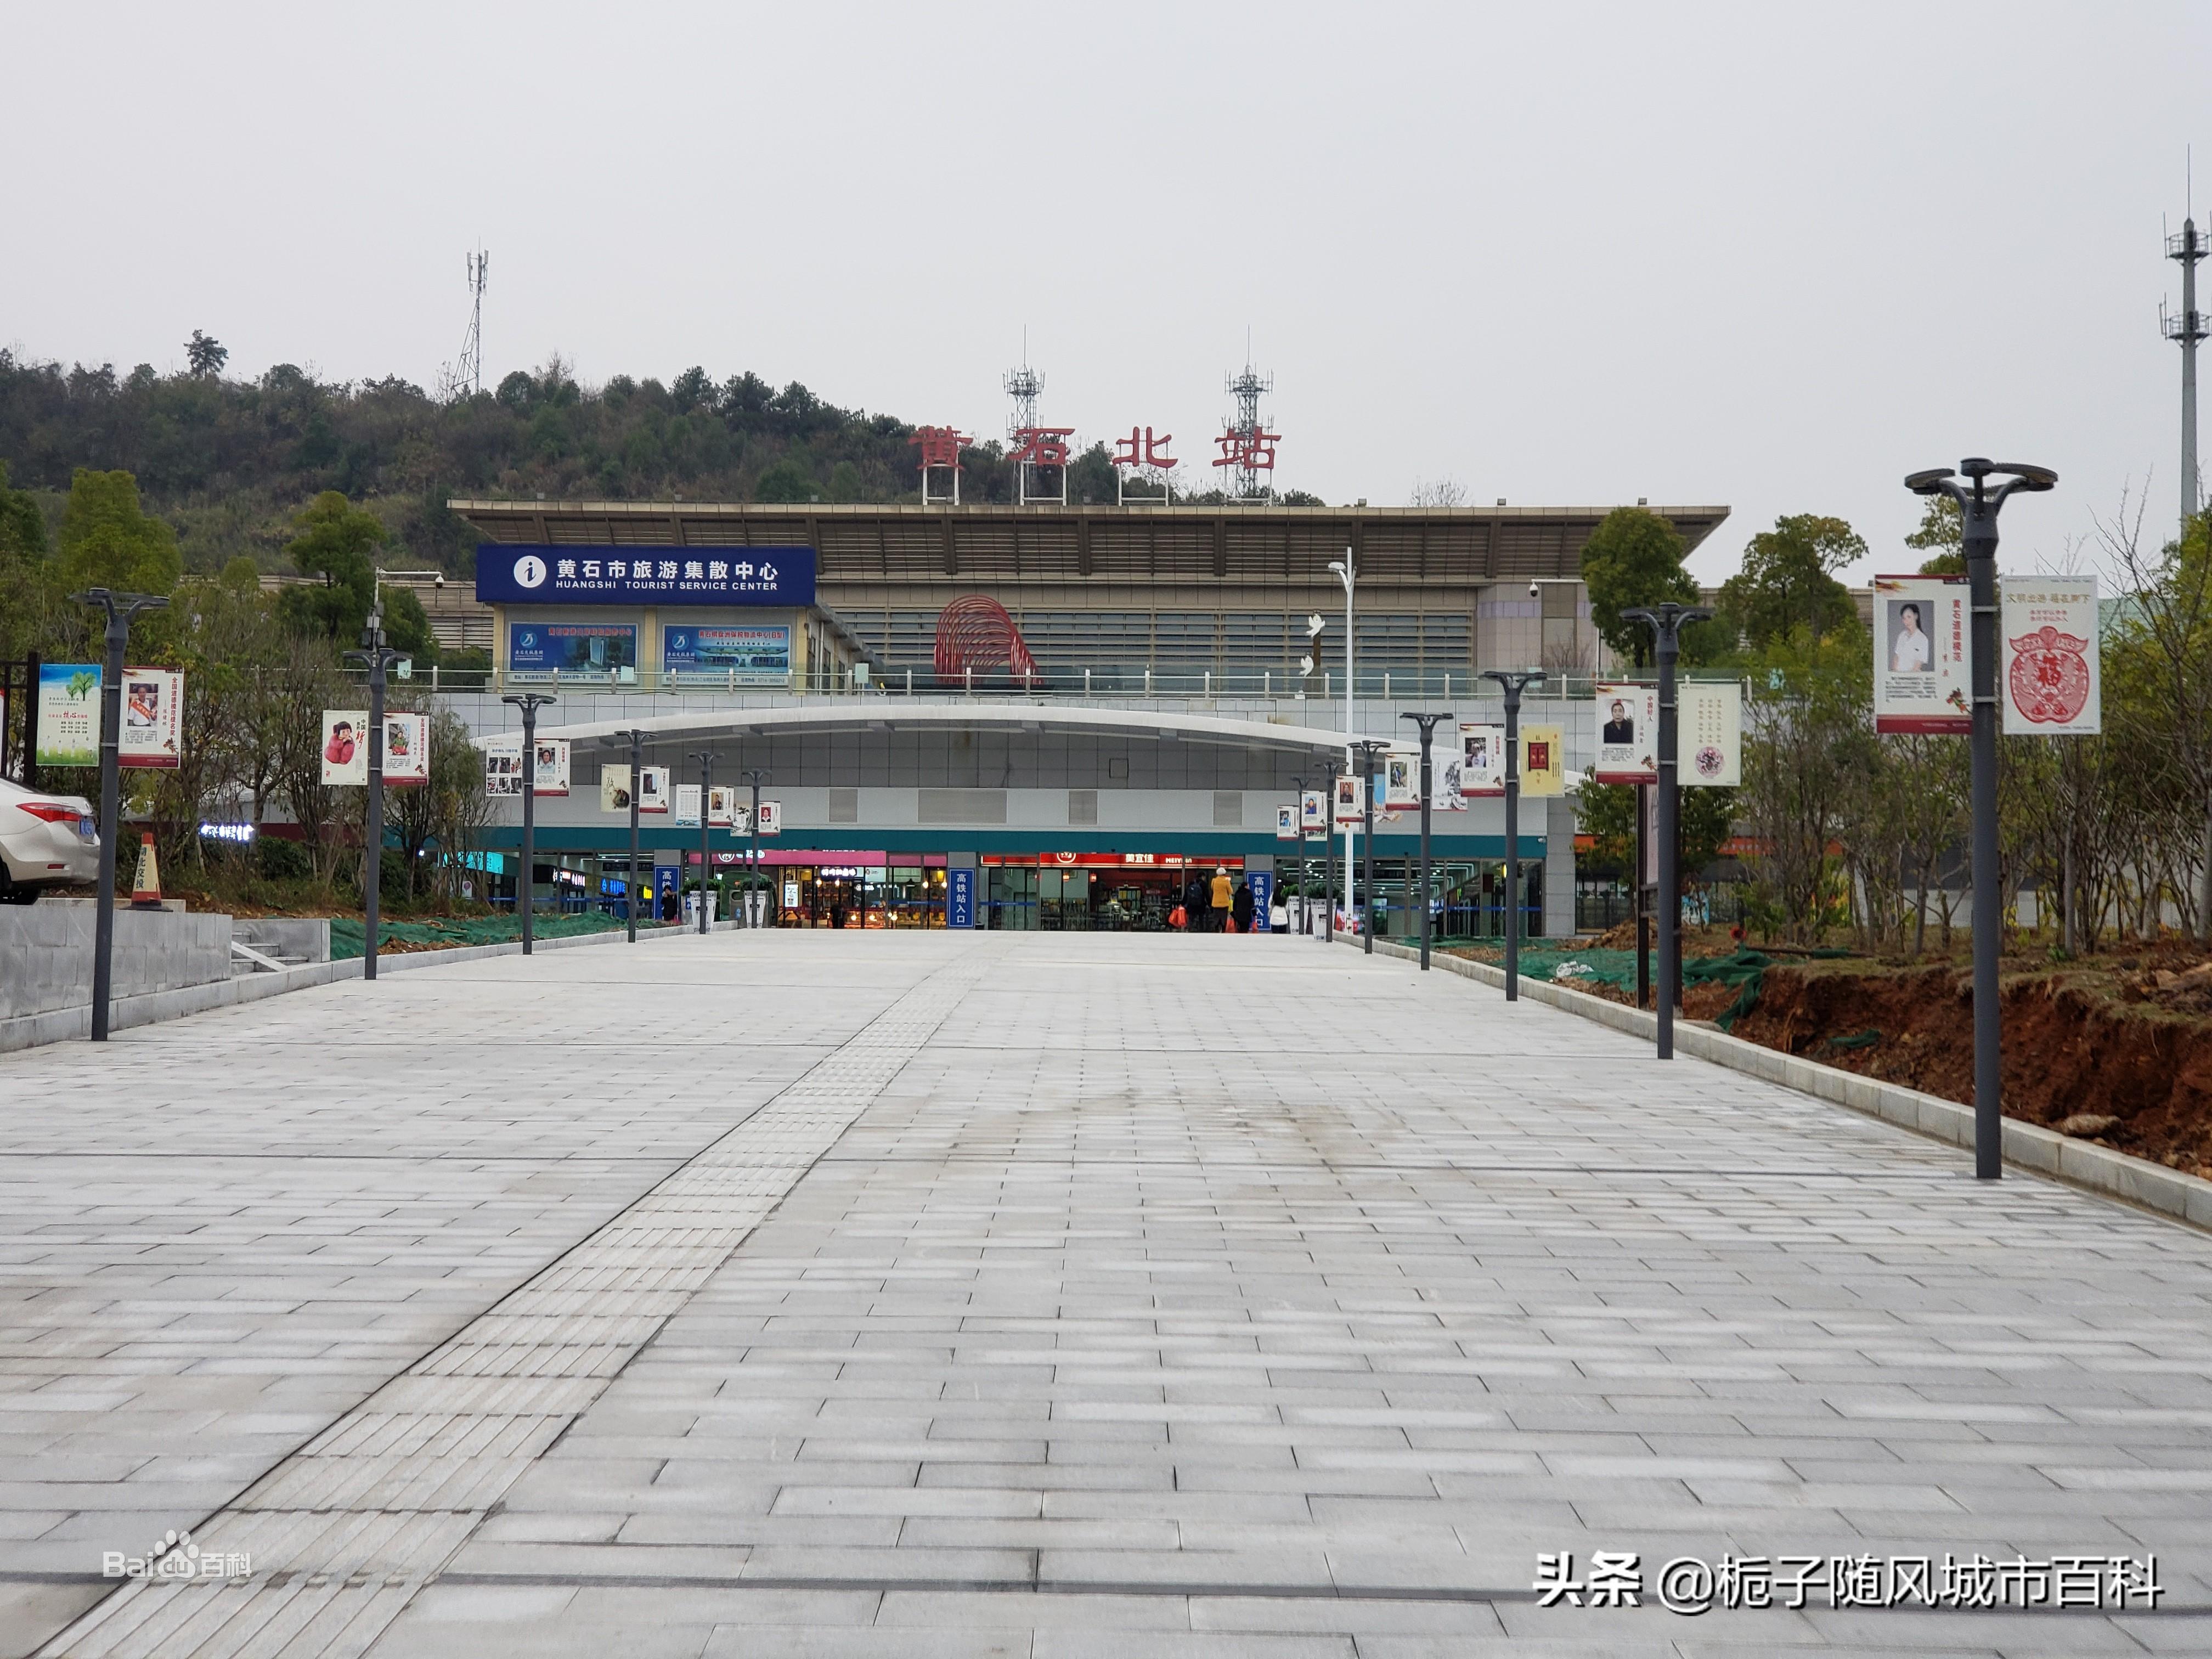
1446,491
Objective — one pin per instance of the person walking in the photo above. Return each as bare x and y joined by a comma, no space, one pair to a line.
1195,912
1222,898
1241,906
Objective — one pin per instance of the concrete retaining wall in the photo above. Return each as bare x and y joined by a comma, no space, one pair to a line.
2030,1145
45,953
307,938
60,1025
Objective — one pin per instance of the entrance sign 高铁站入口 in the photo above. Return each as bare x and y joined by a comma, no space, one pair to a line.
2051,672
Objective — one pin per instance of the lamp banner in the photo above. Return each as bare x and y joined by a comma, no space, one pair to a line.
2050,644
1627,733
687,806
346,747
1923,664
771,817
614,789
406,749
1543,761
69,714
1313,812
1482,759
1286,824
721,799
153,717
1709,733
1351,801
652,789
503,766
1402,781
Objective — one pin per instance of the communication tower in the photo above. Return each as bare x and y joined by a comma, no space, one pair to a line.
1247,448
465,376
2187,327
1023,385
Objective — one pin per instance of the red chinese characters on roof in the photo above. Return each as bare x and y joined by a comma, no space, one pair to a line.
1041,446
1252,450
940,445
1140,448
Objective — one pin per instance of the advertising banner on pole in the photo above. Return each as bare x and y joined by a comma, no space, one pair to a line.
687,806
502,768
1543,761
1402,781
346,747
741,815
2049,673
1351,801
721,803
1709,733
1923,678
406,749
153,717
771,817
614,789
1627,733
1286,824
1313,812
652,789
1482,759
69,714
552,777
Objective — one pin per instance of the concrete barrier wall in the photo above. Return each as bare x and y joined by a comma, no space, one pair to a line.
45,953
2029,1145
307,938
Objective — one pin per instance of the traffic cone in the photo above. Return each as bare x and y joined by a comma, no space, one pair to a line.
146,891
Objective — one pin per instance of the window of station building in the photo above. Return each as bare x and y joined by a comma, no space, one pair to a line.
1255,642
1185,642
1447,640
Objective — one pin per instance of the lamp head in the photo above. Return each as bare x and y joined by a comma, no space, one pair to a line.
1929,482
2028,475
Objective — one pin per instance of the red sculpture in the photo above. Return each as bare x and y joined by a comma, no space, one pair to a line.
974,632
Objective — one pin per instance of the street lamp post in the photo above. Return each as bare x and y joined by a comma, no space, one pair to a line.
756,776
1428,724
706,759
1513,680
1666,622
1367,748
1978,502
377,657
525,881
121,610
638,738
1346,571
1329,769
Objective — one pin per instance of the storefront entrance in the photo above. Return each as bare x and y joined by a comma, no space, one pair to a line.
1091,892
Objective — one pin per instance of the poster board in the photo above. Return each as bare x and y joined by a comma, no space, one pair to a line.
69,714
406,749
1482,759
153,717
721,805
1402,781
345,748
1543,761
503,766
653,789
1923,674
1709,733
1351,801
614,789
1627,733
771,817
2049,647
1287,823
1313,812
687,806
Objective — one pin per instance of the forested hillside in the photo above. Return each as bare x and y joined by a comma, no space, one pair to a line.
228,462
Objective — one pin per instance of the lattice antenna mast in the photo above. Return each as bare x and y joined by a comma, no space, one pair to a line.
472,348
1251,446
1023,385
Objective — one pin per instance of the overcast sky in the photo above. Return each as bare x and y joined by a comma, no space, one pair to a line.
1763,255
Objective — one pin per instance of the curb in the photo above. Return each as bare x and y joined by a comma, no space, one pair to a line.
2031,1147
153,1008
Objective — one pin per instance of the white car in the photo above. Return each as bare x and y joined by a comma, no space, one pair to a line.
46,841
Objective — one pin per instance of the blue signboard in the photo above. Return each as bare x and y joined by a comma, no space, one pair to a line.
572,648
754,653
508,575
1263,895
959,898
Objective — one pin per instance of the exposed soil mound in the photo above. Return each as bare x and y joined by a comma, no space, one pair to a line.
2123,1060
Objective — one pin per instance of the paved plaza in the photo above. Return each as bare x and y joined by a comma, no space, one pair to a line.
1058,1295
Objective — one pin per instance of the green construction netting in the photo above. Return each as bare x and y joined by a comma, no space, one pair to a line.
1744,969
349,938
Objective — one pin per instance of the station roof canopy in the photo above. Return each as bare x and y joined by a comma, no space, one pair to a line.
1243,545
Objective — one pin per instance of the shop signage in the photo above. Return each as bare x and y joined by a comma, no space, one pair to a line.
2049,647
69,714
509,574
1922,677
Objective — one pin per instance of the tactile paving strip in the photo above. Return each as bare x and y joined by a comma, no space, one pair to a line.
344,1532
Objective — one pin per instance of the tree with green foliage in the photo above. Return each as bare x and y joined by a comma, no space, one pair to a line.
341,543
1942,537
27,585
108,541
205,355
1634,558
788,480
1788,582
